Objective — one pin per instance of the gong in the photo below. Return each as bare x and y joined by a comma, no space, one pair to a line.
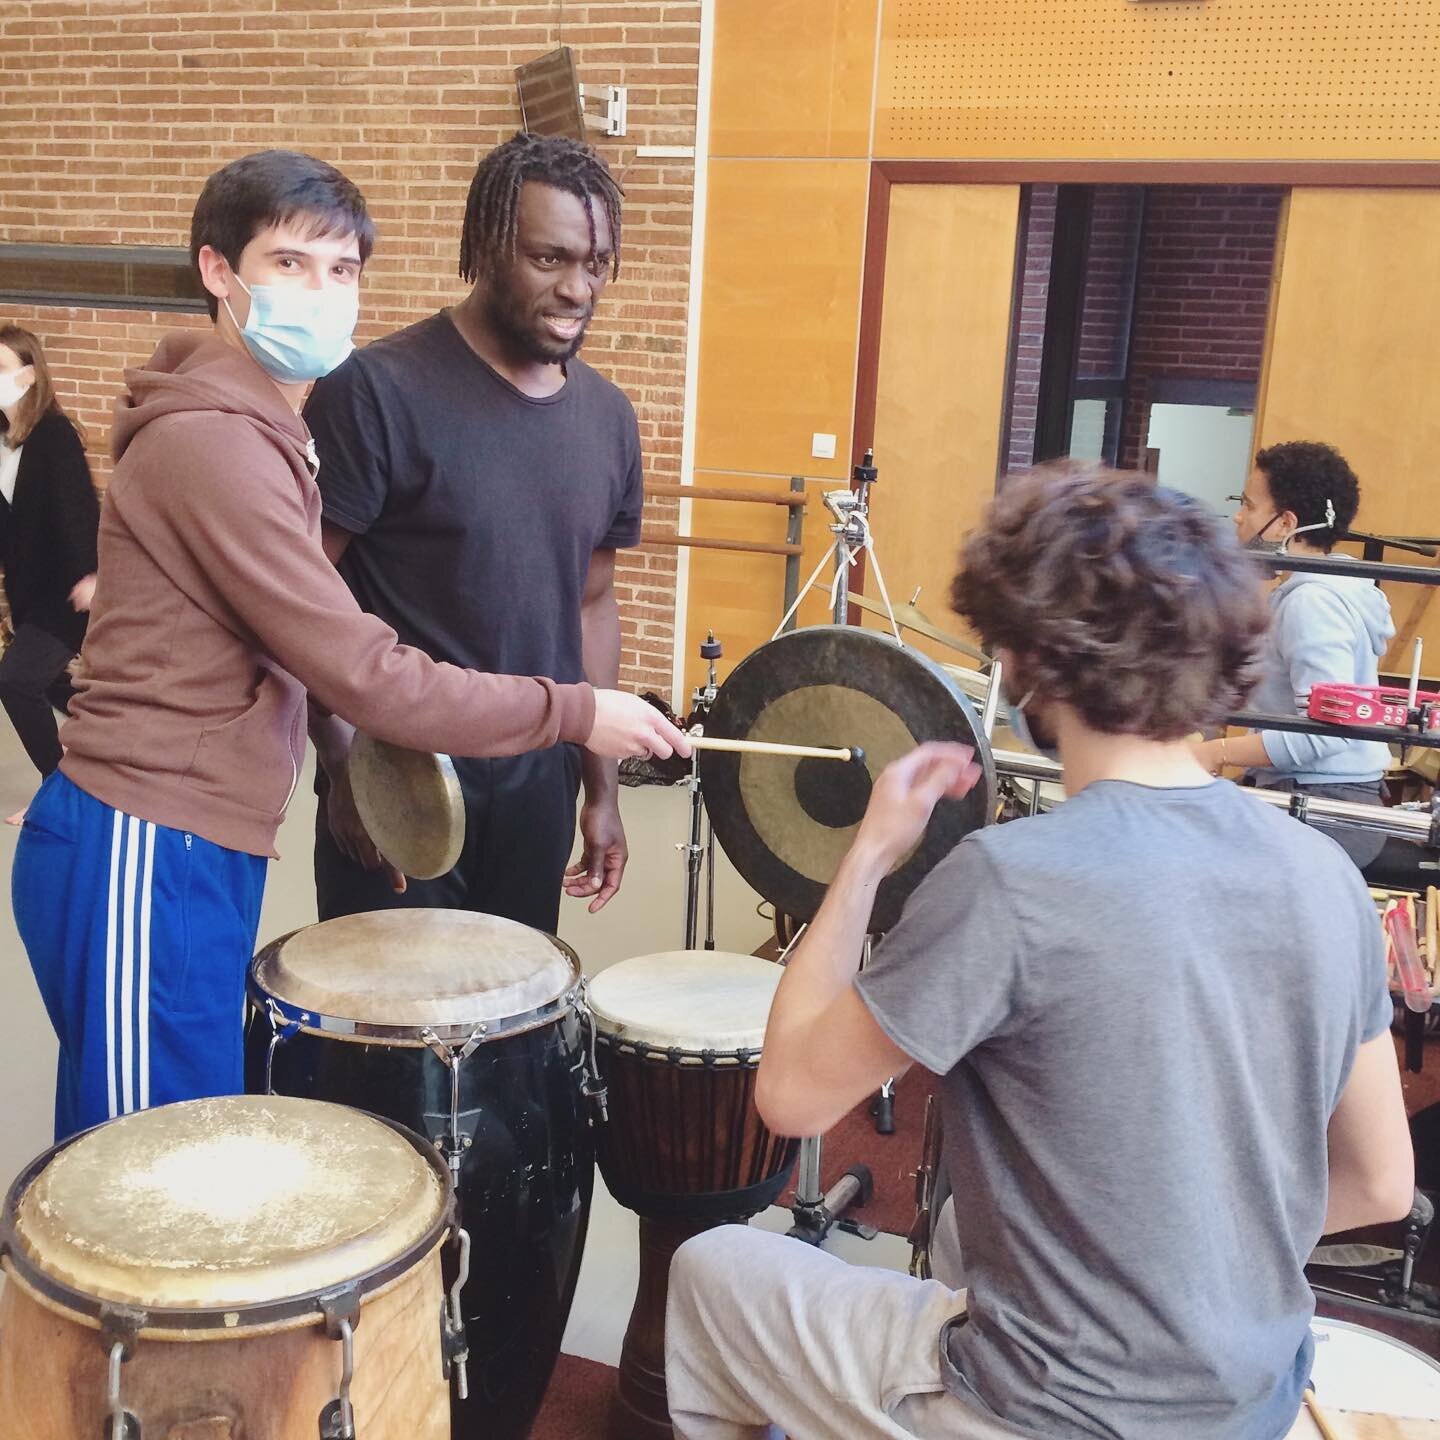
786,823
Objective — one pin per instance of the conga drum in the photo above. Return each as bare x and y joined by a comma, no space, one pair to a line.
229,1269
678,1039
468,1029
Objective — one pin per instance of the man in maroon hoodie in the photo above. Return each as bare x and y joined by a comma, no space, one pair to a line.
139,873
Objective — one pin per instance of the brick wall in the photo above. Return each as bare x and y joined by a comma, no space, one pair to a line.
1030,336
1204,292
117,110
1115,217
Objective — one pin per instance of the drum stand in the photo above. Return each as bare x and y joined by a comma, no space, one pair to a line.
815,1211
695,850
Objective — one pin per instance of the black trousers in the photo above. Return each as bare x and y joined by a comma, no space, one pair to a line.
33,679
519,834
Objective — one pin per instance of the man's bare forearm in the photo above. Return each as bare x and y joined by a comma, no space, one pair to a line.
331,737
825,961
600,654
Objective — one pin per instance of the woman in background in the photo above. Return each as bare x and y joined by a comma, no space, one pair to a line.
49,515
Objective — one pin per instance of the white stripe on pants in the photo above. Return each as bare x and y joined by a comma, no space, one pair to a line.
767,1336
127,940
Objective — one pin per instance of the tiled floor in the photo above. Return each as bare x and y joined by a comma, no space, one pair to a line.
646,916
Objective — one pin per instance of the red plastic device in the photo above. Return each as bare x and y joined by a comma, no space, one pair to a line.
1377,705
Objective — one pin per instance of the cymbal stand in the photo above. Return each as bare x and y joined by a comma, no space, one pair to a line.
815,1211
694,849
851,509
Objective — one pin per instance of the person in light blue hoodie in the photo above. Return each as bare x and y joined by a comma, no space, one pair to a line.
1303,496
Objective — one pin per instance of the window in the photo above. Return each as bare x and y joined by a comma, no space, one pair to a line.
131,277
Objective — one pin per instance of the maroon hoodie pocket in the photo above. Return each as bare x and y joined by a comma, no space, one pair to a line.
249,760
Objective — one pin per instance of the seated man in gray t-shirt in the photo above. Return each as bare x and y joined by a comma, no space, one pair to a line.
1160,1015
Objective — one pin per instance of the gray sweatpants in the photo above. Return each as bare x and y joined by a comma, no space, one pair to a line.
767,1337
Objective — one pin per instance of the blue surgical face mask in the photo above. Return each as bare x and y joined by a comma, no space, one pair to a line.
295,333
1020,728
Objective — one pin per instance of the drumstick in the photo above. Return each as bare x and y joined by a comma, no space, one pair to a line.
1322,1424
1432,933
767,747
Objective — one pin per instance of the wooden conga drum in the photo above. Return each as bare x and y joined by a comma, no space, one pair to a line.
228,1268
678,1039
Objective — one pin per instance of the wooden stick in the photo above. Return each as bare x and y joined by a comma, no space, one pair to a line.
795,499
1322,1423
765,747
1432,933
701,542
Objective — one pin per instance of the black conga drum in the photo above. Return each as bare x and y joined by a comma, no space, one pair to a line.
678,1039
468,1029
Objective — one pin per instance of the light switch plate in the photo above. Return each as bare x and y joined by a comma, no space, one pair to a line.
822,447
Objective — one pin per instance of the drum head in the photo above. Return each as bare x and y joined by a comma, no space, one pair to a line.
693,1000
220,1204
786,824
1356,1369
398,969
411,804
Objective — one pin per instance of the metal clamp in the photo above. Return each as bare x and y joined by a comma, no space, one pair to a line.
119,1328
454,1346
280,1031
591,1086
455,1144
341,1309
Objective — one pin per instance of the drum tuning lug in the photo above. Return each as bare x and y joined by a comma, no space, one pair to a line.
454,1345
341,1309
120,1423
119,1329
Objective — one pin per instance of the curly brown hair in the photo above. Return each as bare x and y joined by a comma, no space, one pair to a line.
1130,603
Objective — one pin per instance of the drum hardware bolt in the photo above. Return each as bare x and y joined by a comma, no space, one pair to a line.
120,1424
455,1347
119,1329
281,1030
341,1309
452,1059
591,1086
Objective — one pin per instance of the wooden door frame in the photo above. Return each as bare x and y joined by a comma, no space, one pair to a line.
1359,174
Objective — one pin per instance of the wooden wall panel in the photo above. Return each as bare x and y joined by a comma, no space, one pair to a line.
1354,361
949,276
783,247
1098,79
793,77
737,595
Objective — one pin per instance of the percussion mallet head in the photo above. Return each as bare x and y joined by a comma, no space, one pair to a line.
857,755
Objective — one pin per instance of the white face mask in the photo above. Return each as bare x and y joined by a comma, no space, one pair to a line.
12,389
297,334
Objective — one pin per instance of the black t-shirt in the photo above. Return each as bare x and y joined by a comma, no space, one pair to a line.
475,508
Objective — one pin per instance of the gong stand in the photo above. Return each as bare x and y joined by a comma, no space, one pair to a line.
851,509
696,851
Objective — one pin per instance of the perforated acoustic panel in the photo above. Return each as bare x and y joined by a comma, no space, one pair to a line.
1089,79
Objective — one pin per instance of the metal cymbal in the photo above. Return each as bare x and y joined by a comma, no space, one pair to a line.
911,617
786,822
411,804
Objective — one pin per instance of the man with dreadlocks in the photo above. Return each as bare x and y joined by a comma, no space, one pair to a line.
477,480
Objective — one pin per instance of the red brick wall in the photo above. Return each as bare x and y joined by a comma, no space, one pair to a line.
1115,217
1204,292
1030,336
117,110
